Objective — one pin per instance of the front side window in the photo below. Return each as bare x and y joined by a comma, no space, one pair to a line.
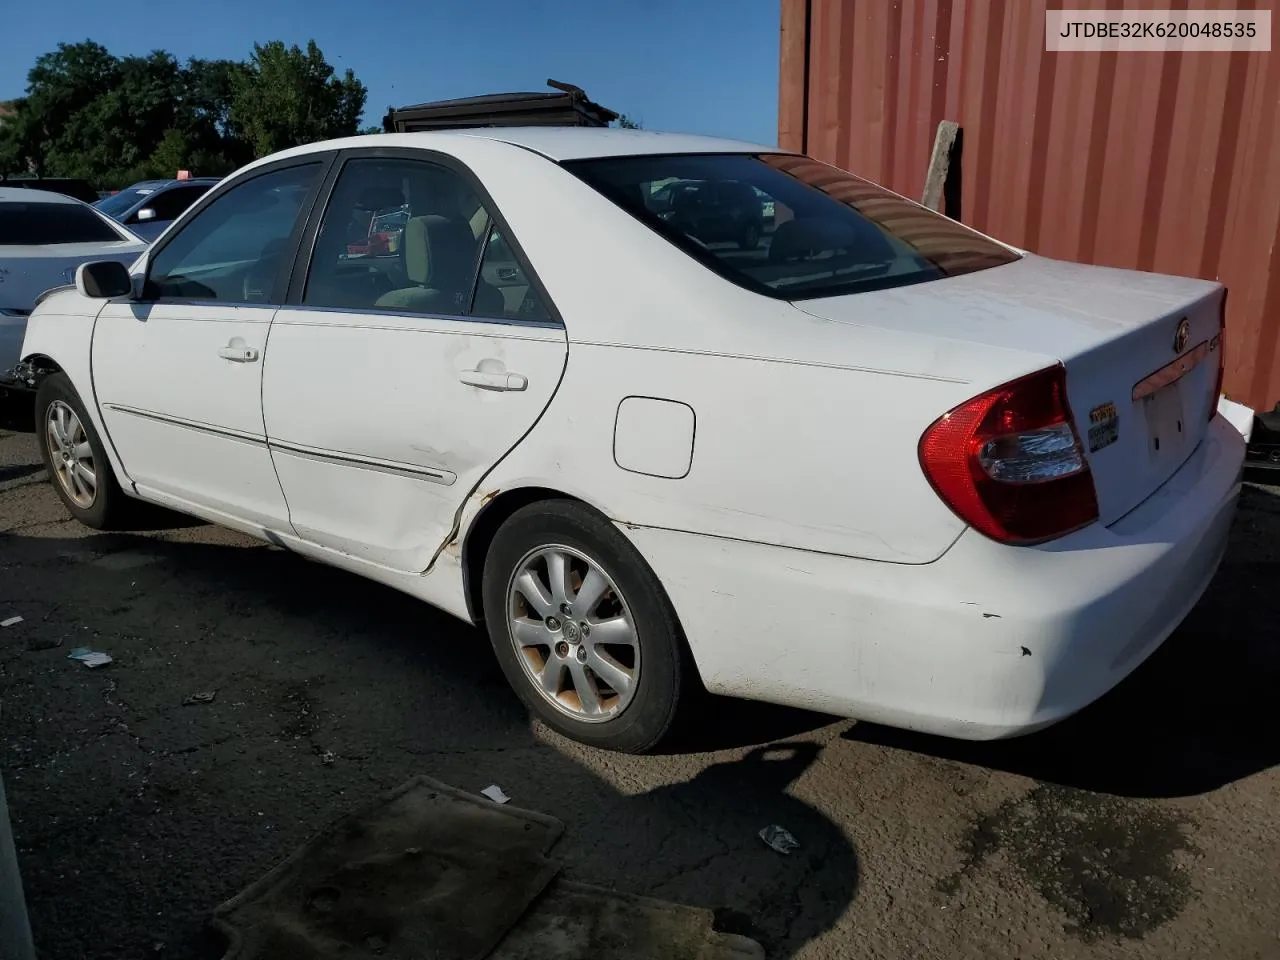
25,224
789,226
412,236
170,204
232,250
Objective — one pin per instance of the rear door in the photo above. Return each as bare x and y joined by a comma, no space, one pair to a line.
396,382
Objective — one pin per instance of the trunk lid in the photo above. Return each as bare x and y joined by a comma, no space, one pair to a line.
1141,392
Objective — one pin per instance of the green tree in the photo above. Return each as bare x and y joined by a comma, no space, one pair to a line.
216,146
63,90
19,142
172,154
625,122
286,96
114,120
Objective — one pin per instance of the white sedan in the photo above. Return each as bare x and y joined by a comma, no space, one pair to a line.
880,466
43,238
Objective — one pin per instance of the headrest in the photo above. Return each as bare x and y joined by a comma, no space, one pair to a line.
439,252
798,239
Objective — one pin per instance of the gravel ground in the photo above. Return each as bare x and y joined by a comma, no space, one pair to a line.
1144,827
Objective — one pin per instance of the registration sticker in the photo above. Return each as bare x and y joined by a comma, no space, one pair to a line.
1104,426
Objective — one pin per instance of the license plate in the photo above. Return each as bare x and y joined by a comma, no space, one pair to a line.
1166,423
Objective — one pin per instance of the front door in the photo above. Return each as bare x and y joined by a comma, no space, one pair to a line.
397,381
178,374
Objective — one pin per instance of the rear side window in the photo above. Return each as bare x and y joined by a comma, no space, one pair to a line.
412,237
789,226
31,224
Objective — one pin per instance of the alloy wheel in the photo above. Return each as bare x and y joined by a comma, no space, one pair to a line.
573,633
71,454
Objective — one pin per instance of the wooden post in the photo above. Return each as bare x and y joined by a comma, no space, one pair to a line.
940,165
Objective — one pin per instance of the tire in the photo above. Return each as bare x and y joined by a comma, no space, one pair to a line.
750,238
655,669
108,508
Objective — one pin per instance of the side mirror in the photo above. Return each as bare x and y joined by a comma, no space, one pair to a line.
103,280
145,214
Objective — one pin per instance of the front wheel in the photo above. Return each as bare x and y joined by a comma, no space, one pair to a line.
74,455
582,628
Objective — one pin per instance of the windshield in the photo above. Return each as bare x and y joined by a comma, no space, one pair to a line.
29,224
119,204
789,226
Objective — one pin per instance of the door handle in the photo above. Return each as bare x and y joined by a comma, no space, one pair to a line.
490,380
237,352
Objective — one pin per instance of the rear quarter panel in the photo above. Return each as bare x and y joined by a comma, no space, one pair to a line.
782,454
806,430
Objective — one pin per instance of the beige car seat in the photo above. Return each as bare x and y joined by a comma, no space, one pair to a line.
439,258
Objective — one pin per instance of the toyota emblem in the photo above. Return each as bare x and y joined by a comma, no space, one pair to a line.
1181,336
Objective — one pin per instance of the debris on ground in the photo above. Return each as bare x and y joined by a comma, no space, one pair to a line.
779,839
205,696
11,622
90,658
428,870
494,793
327,757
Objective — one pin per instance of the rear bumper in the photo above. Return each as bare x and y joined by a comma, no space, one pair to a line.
988,641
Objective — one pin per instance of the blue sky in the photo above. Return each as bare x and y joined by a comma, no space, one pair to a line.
699,66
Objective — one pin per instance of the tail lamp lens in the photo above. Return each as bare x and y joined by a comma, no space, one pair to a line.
1010,464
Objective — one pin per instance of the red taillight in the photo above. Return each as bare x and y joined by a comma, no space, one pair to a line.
1221,345
1009,462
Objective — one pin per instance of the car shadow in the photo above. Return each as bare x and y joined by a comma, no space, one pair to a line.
711,723
322,690
17,471
17,410
1197,715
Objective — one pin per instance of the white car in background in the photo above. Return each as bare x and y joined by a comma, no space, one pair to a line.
43,238
879,465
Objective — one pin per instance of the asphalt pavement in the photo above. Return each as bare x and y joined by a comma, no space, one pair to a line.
1144,827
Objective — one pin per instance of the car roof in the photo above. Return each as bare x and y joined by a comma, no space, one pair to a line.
28,195
162,184
555,143
581,143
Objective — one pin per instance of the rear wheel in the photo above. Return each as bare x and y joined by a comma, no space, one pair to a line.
75,457
582,628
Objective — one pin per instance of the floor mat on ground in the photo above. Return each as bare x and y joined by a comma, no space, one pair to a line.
431,873
574,920
427,872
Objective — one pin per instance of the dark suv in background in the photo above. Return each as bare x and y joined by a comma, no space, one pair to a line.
149,206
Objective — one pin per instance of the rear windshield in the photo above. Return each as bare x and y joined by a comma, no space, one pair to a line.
789,226
28,224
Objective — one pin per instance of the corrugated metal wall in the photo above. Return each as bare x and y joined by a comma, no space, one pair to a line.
1156,161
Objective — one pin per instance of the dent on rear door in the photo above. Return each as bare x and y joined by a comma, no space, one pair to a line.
380,469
